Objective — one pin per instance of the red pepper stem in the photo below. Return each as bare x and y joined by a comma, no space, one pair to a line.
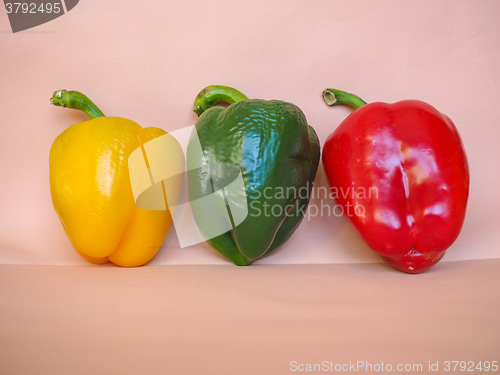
334,97
76,100
212,95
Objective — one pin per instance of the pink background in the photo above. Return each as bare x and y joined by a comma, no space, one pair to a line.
147,61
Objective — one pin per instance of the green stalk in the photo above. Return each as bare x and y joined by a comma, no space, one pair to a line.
212,95
76,100
334,97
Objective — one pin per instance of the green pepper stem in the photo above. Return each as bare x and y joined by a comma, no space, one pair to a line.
333,97
212,95
76,100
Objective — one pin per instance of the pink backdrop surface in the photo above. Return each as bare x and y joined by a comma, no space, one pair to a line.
147,60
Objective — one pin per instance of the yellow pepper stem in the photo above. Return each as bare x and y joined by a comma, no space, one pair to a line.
76,100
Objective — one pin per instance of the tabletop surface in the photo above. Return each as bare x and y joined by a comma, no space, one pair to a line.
262,319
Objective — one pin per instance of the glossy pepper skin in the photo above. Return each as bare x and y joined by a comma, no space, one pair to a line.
404,167
91,190
275,149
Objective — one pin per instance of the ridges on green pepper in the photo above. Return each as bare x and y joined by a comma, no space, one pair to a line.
275,149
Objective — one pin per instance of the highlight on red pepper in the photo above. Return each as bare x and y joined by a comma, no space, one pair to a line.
402,170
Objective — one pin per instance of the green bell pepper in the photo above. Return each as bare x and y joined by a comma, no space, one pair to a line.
277,153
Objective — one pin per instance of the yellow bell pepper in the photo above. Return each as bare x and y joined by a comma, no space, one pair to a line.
91,189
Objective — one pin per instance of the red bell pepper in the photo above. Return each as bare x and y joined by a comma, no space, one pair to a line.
400,174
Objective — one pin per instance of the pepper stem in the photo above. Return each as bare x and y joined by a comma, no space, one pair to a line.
333,97
212,95
76,100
